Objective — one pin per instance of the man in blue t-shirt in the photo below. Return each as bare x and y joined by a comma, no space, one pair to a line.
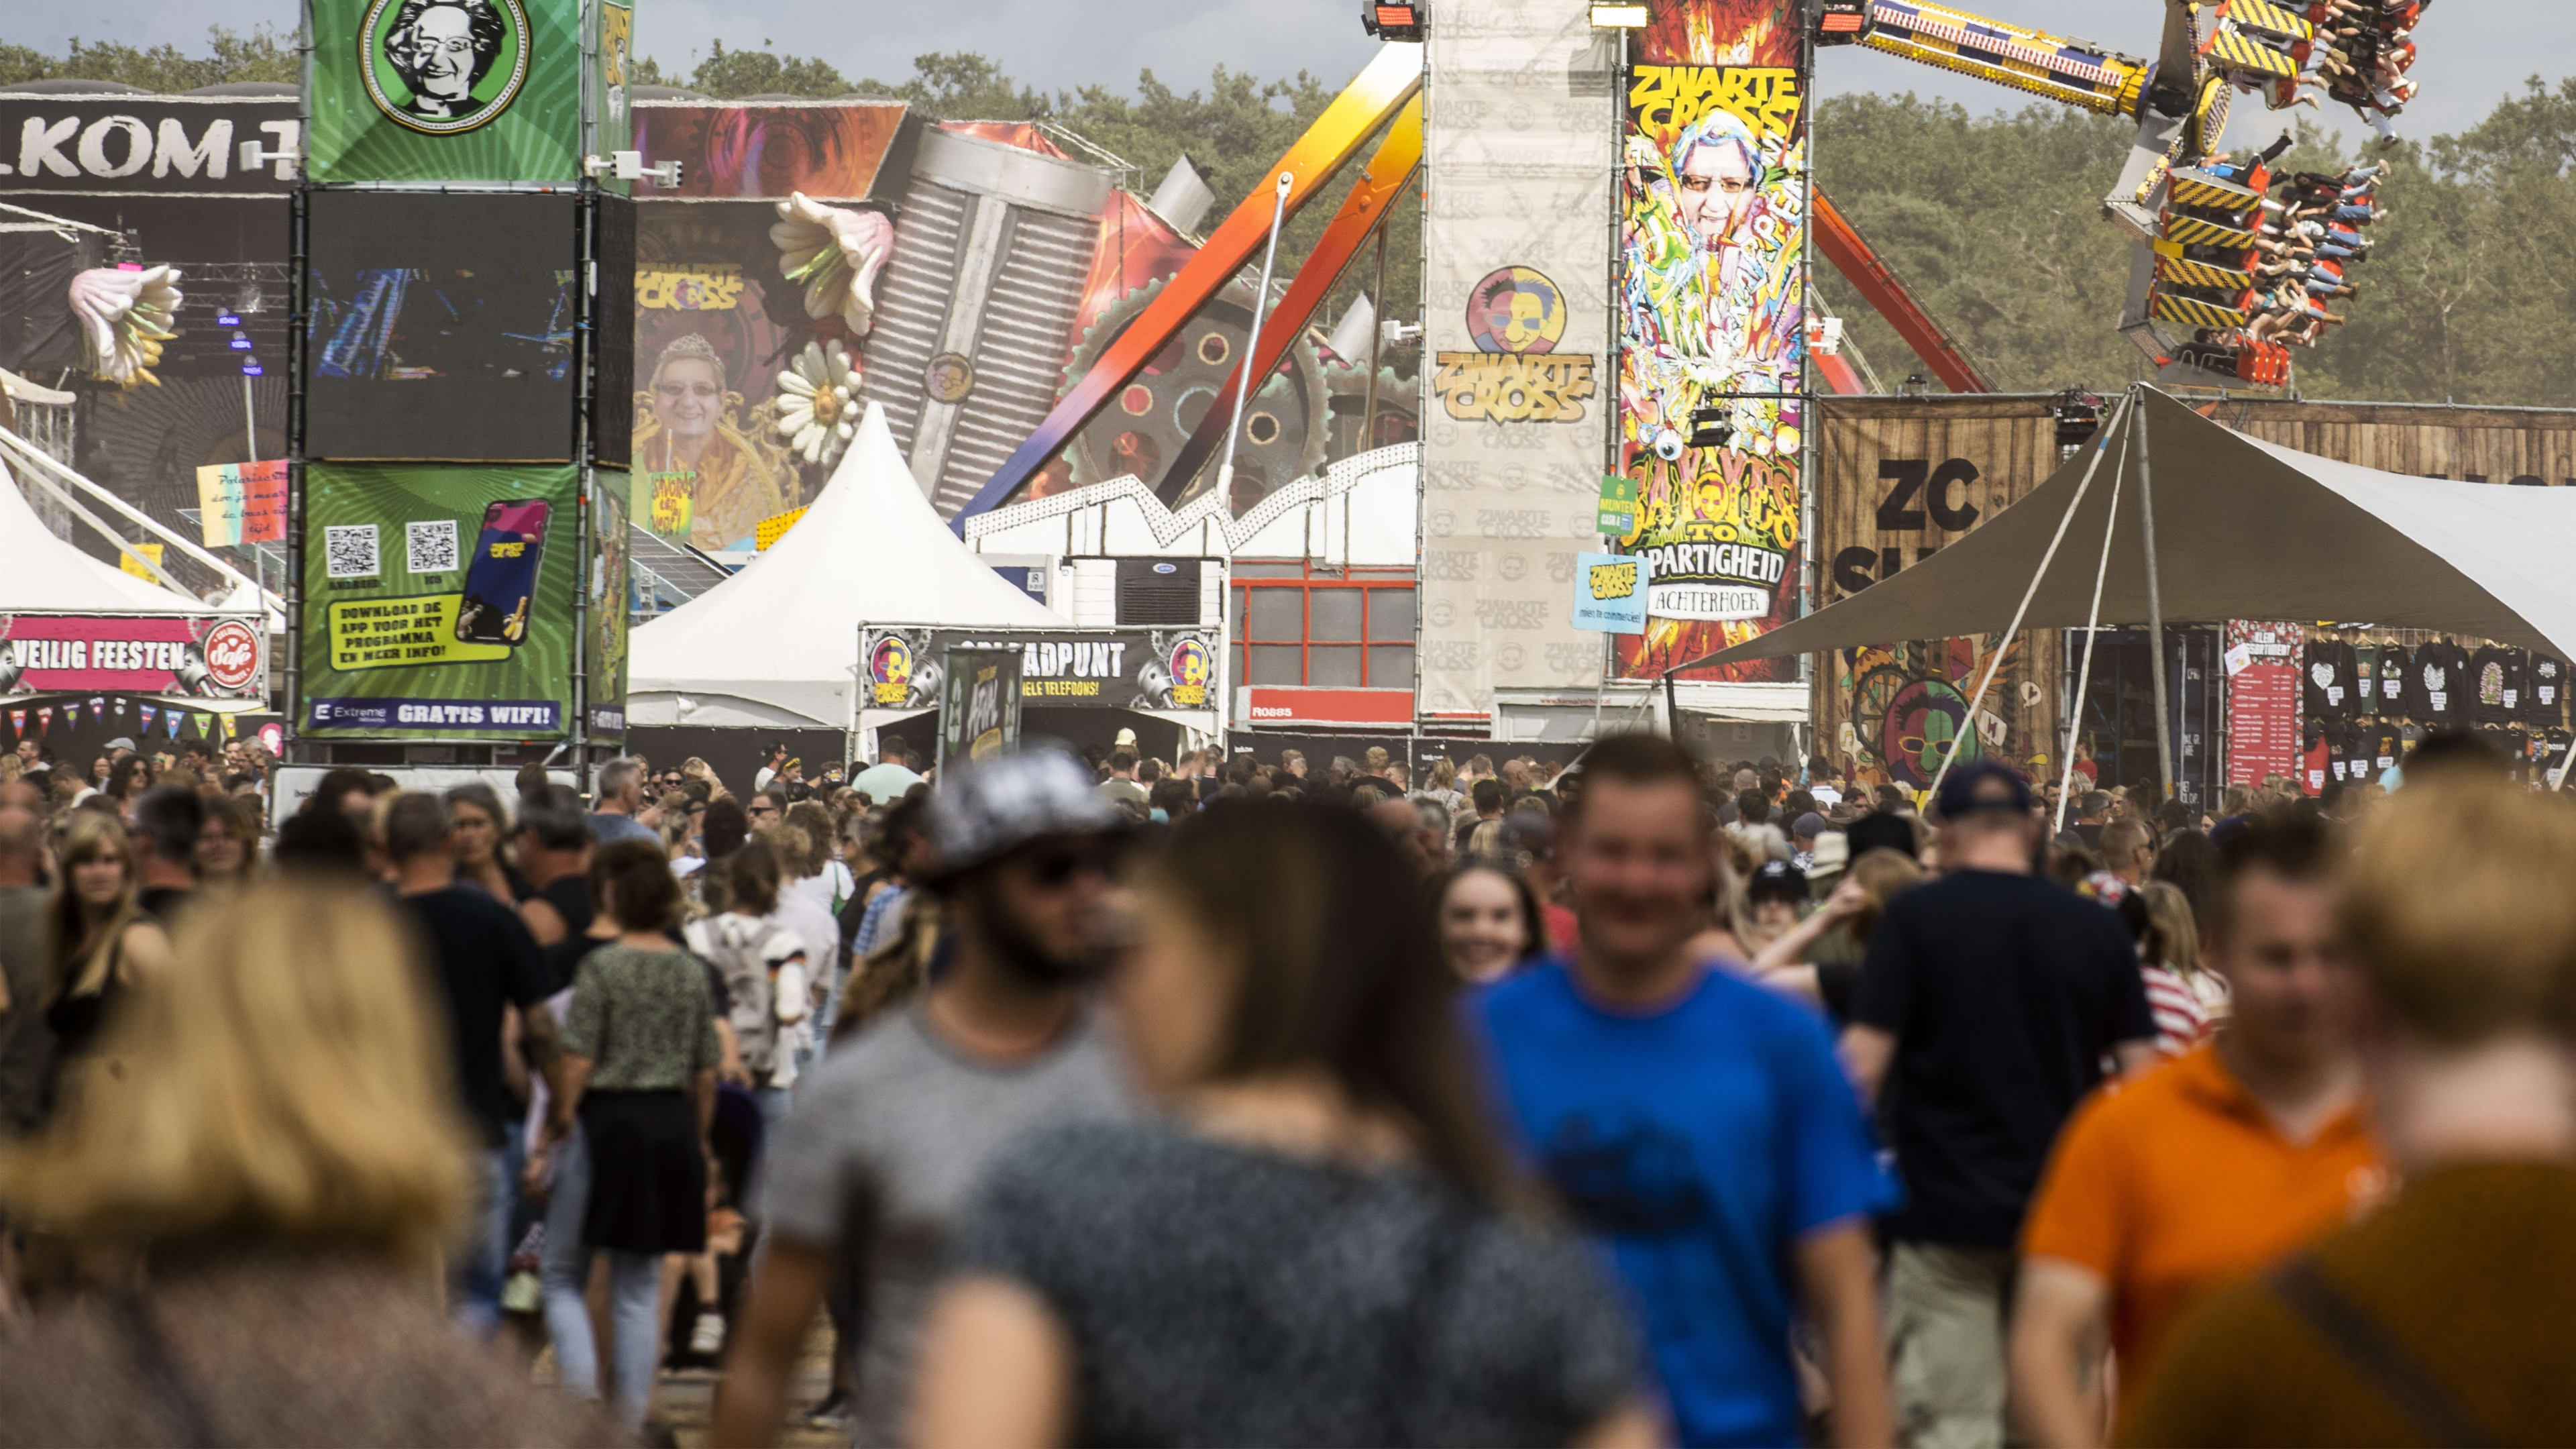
1698,1126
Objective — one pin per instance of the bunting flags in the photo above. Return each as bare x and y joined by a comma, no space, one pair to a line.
45,719
148,712
17,721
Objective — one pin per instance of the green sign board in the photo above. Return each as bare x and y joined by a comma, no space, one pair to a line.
445,90
1618,512
608,49
979,710
438,602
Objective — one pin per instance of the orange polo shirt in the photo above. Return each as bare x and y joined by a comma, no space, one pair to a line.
2178,1182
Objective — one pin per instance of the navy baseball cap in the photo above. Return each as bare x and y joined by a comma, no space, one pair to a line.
1777,880
1983,785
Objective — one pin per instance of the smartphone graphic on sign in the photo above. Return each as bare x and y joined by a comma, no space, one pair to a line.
501,580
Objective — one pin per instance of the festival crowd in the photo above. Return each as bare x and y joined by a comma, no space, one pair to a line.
1111,1100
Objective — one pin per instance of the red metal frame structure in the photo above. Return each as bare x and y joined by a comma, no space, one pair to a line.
1372,197
1841,243
1371,586
1376,94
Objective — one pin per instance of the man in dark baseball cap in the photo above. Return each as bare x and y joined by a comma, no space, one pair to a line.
1988,1000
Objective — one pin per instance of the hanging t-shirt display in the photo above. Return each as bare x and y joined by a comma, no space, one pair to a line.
2544,690
2387,742
2392,681
2365,680
2343,765
2326,692
2438,684
2316,758
2495,680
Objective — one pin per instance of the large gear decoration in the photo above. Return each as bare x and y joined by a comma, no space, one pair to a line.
1286,425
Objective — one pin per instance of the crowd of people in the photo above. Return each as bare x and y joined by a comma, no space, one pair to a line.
1369,1101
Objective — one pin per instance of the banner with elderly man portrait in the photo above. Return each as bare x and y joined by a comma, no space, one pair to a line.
1711,313
448,90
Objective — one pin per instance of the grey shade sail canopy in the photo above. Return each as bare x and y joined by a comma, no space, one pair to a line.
2244,530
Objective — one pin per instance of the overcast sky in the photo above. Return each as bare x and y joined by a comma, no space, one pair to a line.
2474,51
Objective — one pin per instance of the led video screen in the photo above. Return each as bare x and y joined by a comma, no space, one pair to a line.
441,326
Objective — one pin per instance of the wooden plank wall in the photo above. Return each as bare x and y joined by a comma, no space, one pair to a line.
1897,478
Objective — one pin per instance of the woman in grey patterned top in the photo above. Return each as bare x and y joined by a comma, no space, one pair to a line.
639,1079
1321,1244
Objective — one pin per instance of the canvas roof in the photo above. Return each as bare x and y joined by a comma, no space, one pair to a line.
2244,530
41,574
777,642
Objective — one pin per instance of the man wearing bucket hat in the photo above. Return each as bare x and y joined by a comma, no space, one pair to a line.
891,1131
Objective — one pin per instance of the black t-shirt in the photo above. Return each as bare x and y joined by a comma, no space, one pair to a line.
2438,685
570,896
485,959
163,903
2387,743
2327,691
2544,692
2495,686
2004,993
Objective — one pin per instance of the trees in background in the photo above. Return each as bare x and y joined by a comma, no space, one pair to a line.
1993,221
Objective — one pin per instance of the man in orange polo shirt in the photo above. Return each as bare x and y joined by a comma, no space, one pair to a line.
2170,1184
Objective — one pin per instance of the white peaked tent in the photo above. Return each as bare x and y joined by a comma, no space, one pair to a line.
777,644
41,574
2242,530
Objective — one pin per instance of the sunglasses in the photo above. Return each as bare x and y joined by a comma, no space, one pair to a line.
1054,866
759,810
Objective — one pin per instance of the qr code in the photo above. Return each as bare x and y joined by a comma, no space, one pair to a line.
432,545
349,551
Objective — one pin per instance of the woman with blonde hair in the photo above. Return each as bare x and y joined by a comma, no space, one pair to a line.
1816,962
282,1139
98,941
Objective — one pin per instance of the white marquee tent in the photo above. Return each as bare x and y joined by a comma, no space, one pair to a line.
2242,530
41,574
777,644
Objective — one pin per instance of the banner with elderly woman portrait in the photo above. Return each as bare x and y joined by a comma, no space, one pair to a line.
1711,313
447,90
746,360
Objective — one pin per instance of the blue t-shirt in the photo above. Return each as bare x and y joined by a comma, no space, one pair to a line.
1695,1146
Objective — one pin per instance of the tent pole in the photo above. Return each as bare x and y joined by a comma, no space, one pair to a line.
2092,631
2155,625
2103,445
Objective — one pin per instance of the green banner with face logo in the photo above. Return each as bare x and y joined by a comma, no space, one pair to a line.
445,90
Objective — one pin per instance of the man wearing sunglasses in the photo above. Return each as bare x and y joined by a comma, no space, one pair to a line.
888,1134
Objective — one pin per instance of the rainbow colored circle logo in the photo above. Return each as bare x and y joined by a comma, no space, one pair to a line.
1516,309
890,670
1193,667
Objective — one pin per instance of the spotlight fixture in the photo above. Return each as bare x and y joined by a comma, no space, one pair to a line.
2077,413
1841,22
1711,428
1619,15
247,298
1393,19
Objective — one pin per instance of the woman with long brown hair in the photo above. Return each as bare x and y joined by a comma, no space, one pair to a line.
98,941
1321,1243
282,1138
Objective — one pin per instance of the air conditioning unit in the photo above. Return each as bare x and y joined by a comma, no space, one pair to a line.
1145,593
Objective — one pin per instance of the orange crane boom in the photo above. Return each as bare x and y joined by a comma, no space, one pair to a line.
1841,243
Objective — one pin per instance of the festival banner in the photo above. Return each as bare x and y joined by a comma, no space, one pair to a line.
979,714
827,150
444,90
608,56
1711,312
610,596
167,655
1516,261
1151,669
438,601
738,368
239,503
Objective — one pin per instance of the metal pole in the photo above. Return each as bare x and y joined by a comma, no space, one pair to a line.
2155,619
1252,345
1377,329
2092,631
250,424
297,294
2101,445
585,370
